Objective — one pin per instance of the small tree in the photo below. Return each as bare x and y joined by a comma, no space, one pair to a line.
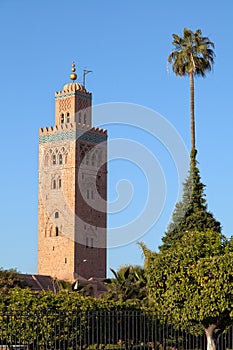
191,284
191,213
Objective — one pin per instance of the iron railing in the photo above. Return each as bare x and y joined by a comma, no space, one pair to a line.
103,330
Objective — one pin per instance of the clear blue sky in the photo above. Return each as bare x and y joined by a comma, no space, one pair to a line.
126,44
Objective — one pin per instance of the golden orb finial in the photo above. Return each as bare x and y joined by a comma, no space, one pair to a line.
73,75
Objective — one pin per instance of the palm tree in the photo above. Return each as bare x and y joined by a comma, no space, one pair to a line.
193,55
129,283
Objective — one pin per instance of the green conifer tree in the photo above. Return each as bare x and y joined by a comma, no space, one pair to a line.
191,213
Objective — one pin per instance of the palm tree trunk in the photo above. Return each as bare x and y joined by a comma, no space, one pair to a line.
192,118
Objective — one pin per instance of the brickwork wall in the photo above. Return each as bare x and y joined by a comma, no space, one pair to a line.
56,252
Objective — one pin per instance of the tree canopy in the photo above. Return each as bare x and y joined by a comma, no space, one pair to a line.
191,213
193,55
9,279
191,283
127,285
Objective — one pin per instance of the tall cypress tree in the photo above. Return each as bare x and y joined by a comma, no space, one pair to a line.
191,213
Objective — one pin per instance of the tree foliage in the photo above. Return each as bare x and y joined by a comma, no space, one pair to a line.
128,284
191,283
9,279
56,320
191,213
193,55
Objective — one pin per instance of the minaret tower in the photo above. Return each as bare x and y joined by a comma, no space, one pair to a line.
72,189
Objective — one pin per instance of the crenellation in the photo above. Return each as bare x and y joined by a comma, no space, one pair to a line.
71,126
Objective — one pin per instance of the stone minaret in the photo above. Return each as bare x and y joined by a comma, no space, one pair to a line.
72,189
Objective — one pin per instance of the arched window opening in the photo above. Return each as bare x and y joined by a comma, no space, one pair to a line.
54,184
54,159
85,119
99,159
80,118
86,242
87,159
93,160
62,118
60,159
68,117
56,231
50,231
59,183
46,162
65,260
56,215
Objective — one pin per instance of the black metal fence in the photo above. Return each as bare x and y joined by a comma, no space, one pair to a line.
106,330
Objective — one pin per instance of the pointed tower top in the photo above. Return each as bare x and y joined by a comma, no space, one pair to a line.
73,75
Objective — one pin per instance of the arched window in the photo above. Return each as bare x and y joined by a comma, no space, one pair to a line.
46,162
67,117
54,159
56,215
62,118
87,159
56,231
60,159
85,119
59,182
80,118
86,242
99,158
93,159
66,158
54,184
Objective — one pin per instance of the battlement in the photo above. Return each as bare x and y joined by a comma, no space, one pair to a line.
71,126
72,132
98,131
57,128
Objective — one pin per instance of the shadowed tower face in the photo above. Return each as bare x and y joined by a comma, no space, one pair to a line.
72,189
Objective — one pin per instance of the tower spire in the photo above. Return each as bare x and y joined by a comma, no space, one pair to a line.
73,75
